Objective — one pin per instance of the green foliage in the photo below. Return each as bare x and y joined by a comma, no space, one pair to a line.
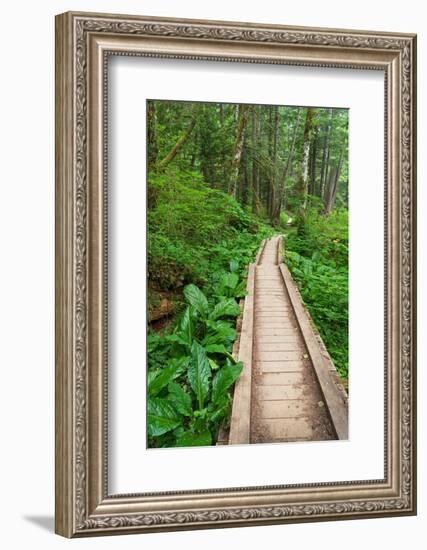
199,373
224,378
196,299
225,308
195,231
317,256
162,416
201,239
181,399
191,371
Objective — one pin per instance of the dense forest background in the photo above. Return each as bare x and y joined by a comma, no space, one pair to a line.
221,177
270,158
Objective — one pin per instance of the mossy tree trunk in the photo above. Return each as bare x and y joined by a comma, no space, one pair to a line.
242,120
303,175
182,139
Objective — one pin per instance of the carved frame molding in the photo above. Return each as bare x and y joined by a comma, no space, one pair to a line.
83,43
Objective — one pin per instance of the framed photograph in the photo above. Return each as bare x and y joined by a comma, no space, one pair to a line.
235,274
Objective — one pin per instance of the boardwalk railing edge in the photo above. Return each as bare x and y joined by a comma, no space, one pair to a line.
260,251
241,409
334,394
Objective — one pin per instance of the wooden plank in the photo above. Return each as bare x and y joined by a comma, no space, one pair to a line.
268,298
268,302
280,366
283,389
293,344
269,328
261,308
279,250
274,316
280,392
260,251
241,409
267,293
280,322
271,300
271,286
281,378
286,429
284,356
266,289
333,397
285,320
278,331
280,346
277,339
283,308
285,316
282,408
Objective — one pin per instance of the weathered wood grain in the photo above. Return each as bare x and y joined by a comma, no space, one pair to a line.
278,397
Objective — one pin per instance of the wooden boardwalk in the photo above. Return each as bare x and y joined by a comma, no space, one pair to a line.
289,389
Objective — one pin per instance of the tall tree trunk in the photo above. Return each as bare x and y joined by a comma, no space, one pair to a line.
255,174
182,139
282,190
224,182
325,157
244,179
195,151
221,114
303,176
152,145
273,159
313,154
242,120
334,177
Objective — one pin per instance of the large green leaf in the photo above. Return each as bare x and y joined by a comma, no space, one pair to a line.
151,375
225,308
224,378
214,365
219,332
216,348
220,409
190,439
234,265
177,337
180,398
165,376
219,349
196,298
230,280
184,328
199,373
162,416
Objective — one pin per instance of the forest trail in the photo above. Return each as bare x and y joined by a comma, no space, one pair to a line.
291,391
221,177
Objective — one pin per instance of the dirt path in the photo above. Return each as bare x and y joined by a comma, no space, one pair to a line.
286,401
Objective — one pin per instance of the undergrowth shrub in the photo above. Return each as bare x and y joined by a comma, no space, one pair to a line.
317,256
200,240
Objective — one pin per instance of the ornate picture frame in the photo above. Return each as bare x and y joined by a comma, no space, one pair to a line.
84,42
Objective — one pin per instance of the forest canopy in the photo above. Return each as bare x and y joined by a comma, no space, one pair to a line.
270,158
